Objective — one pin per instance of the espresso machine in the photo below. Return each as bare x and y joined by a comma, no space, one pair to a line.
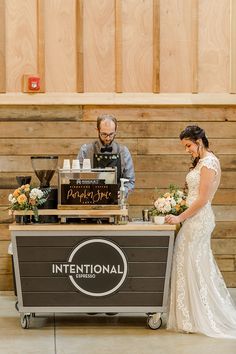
44,168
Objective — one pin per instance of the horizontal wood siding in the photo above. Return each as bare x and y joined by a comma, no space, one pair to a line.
150,132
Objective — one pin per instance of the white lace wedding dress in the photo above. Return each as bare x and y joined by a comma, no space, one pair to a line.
199,299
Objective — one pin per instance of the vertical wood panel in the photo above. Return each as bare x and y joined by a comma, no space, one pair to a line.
194,46
41,43
137,50
156,46
176,46
80,45
99,46
118,45
60,48
2,47
214,45
232,46
21,44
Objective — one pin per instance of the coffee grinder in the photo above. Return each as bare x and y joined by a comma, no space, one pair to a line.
44,168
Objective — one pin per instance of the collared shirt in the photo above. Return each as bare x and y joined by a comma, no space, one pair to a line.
127,168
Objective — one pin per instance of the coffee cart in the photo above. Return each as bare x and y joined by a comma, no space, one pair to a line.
92,268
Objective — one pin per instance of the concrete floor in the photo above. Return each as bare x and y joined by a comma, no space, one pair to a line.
84,334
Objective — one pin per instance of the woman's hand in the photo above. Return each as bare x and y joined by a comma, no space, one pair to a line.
172,219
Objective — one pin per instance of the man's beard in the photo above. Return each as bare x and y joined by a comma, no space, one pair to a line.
105,143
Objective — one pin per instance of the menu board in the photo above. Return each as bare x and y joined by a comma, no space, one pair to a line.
89,194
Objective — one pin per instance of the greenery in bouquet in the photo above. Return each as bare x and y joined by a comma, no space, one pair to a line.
28,198
171,202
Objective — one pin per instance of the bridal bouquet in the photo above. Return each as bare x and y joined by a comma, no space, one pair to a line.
172,202
27,198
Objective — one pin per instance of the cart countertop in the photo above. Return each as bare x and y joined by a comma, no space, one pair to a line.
148,226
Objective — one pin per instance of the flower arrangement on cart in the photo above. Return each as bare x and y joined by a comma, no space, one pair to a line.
27,198
171,202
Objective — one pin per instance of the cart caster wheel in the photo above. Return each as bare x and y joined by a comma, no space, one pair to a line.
154,323
25,321
16,306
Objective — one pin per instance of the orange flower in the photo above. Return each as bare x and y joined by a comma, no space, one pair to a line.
22,199
16,193
27,187
177,207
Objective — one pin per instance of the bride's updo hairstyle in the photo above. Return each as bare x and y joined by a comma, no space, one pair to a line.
194,133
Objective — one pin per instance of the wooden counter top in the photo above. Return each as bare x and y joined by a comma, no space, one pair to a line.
148,226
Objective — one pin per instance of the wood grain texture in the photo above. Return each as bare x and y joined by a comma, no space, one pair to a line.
148,163
172,146
137,52
41,43
126,130
6,282
80,44
176,46
194,44
232,88
99,46
150,132
143,179
40,113
225,230
2,47
57,146
118,46
21,55
156,47
146,196
154,113
214,45
189,44
60,49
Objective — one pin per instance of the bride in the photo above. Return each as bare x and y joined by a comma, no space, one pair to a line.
199,299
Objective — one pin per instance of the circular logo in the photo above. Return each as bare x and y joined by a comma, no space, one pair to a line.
99,267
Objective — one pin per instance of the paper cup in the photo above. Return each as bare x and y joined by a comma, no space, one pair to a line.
86,164
75,165
66,164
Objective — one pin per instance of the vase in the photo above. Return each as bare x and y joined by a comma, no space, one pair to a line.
159,220
23,219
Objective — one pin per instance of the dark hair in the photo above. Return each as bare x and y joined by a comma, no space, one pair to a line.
194,133
109,117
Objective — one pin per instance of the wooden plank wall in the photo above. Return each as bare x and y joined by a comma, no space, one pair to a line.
164,46
151,133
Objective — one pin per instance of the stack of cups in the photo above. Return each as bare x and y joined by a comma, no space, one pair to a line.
75,165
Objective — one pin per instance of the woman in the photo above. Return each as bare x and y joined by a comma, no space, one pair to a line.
199,299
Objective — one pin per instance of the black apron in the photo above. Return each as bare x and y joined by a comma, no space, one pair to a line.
103,160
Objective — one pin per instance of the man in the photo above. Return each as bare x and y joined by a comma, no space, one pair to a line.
107,128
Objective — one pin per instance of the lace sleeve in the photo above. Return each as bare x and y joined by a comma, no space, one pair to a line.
211,163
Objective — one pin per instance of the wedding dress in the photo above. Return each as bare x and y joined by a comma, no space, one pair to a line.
199,299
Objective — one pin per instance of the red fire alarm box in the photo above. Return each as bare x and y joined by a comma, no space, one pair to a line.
34,83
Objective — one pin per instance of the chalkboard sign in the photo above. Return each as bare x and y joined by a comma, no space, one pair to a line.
79,194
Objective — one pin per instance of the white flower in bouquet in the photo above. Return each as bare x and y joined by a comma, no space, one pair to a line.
27,198
11,199
36,193
172,202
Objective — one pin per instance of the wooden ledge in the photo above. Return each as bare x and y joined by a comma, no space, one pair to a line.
132,226
137,99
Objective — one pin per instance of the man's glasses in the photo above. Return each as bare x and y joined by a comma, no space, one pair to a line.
105,135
